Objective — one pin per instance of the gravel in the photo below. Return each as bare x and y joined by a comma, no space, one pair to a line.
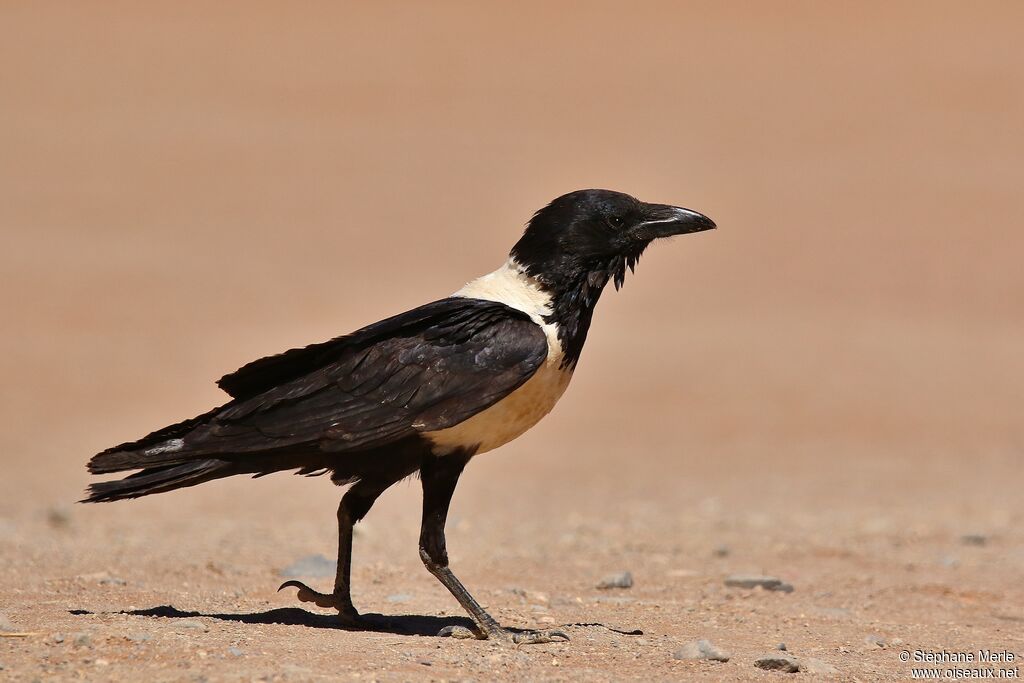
750,581
311,566
620,580
817,666
701,649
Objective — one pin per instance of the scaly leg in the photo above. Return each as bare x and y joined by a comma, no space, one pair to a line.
440,475
354,505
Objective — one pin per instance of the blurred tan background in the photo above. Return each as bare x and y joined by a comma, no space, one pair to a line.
187,186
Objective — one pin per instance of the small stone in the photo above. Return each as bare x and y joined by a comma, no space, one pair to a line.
750,581
876,640
781,646
311,566
974,539
59,516
778,663
192,625
817,666
701,649
620,580
399,597
235,652
112,581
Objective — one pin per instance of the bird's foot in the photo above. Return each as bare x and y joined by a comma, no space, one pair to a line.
506,635
342,603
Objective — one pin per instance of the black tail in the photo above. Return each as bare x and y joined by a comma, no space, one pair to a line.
160,479
182,455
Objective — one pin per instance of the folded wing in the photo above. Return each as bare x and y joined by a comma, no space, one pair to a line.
424,370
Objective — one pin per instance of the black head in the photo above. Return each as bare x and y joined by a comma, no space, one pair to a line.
594,235
579,242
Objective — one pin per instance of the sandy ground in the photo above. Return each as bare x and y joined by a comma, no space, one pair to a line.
827,390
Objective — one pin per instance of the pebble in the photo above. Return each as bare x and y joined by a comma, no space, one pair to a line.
701,649
192,625
876,640
311,566
778,663
768,583
620,580
974,539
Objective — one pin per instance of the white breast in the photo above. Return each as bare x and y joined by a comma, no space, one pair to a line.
523,408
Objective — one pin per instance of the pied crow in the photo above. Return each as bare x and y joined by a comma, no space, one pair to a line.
423,391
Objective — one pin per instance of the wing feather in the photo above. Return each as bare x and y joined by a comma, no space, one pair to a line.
426,370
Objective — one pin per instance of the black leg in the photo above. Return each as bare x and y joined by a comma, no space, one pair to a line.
354,505
440,475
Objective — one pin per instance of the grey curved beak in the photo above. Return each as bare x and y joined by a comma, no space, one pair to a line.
665,221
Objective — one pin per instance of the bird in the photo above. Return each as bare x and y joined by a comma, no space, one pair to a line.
421,392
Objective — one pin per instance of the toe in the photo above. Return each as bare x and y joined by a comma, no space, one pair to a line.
538,637
457,632
307,594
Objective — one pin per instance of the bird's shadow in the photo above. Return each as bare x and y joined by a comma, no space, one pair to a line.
403,625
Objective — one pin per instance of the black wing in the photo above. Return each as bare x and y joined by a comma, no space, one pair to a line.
421,371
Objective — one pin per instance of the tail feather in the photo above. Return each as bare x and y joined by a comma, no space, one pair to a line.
178,456
159,479
163,443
